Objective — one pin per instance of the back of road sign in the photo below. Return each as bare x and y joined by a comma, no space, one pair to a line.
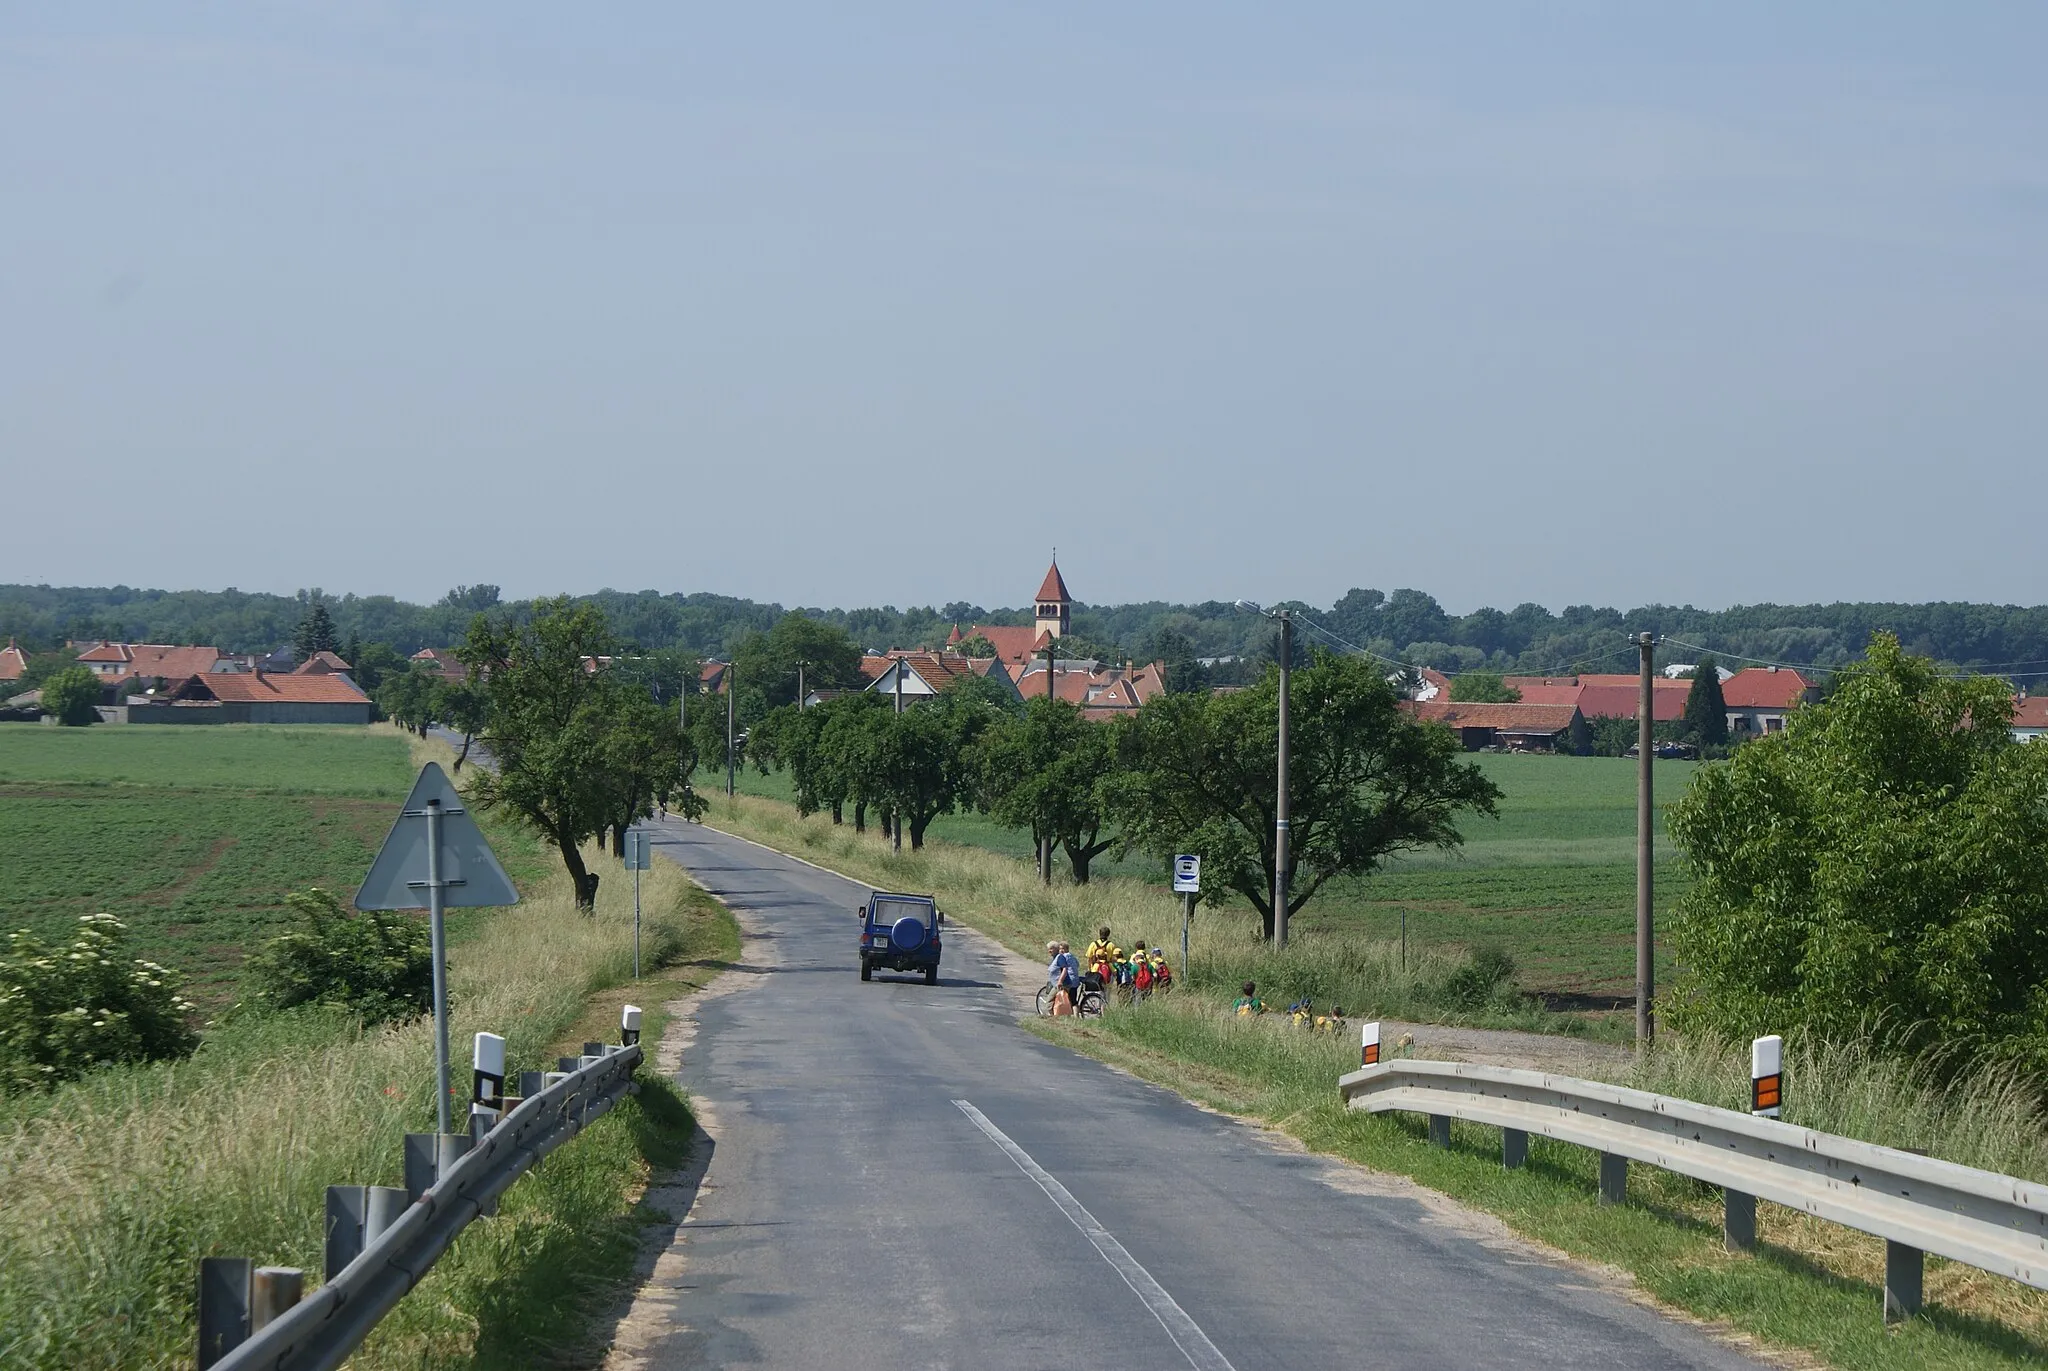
398,877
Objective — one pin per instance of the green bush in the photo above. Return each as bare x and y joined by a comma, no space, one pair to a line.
71,695
64,1011
378,963
1874,869
1476,984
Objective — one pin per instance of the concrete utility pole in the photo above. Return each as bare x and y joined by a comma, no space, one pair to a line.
1281,863
1052,650
730,684
799,686
1646,819
896,815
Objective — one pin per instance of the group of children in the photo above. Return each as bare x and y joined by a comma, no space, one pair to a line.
1301,1014
1144,972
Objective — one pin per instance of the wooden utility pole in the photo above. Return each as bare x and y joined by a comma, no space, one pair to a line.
1646,844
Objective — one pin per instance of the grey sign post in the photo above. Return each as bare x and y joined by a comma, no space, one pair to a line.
441,863
1187,883
637,851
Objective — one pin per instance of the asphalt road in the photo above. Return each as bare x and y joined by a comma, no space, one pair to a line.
902,1177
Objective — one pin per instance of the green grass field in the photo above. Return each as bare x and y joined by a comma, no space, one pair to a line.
1552,880
191,836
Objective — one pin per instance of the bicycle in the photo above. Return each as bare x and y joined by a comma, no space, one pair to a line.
1088,1004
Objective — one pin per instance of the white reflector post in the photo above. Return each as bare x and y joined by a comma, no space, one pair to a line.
489,1082
629,1024
1369,1044
1767,1076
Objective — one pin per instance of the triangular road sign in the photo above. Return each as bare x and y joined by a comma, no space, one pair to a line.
469,870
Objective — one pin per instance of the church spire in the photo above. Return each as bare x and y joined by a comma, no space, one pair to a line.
1055,605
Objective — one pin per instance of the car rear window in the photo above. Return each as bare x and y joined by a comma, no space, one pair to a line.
887,912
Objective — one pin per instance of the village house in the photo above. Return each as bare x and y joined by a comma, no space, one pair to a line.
13,662
146,662
1759,698
924,674
1516,727
2029,717
252,697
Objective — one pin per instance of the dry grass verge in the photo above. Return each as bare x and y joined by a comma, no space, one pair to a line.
116,1185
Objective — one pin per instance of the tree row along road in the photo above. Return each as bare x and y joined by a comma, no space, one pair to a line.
901,1176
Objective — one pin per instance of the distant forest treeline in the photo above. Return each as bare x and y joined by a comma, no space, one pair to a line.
1409,624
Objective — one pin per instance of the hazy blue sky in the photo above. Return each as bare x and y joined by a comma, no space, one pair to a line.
848,304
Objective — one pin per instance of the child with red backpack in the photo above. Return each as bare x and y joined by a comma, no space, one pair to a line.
1162,974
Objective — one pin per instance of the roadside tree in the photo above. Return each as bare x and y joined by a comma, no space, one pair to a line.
1365,782
546,726
1052,771
1873,870
411,699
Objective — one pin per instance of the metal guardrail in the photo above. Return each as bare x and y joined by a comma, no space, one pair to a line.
1917,1204
321,1330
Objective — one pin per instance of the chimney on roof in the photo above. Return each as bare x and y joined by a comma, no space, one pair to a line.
1770,669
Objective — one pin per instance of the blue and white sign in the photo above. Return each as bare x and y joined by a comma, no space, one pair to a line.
1187,875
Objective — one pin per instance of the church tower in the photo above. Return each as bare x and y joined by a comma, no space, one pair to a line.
1055,606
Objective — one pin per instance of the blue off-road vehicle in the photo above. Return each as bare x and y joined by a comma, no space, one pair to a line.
900,932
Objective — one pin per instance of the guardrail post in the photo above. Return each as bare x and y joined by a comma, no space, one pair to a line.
272,1290
382,1207
419,1165
1514,1147
1613,1178
593,1049
344,1227
530,1084
1903,1269
449,1148
567,1065
1738,1221
223,1307
1440,1130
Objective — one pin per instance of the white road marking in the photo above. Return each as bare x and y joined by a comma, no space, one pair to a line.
1193,1343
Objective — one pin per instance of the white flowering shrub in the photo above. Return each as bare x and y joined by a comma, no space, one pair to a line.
64,1010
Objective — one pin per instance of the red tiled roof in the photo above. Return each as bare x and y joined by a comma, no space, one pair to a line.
1759,687
321,664
1013,643
13,662
105,652
153,659
1506,718
1549,694
875,668
270,688
953,637
1526,682
1621,702
1053,587
2030,712
1610,701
